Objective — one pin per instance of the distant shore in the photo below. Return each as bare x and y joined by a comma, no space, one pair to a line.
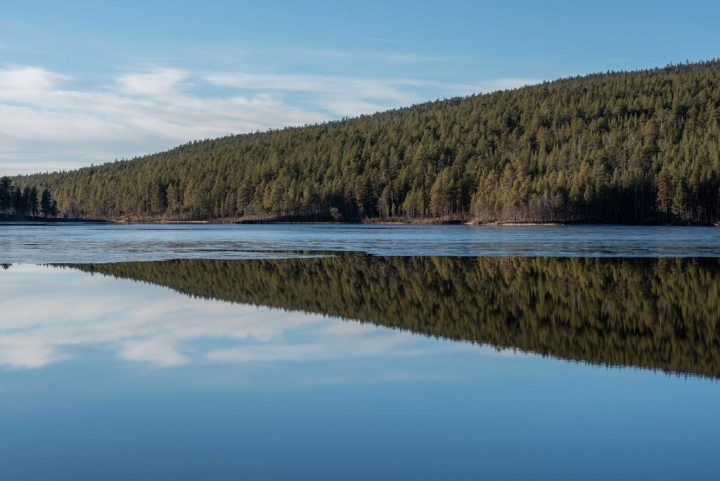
35,220
330,220
327,219
324,220
27,220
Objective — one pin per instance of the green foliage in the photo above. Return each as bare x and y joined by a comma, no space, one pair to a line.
650,313
629,147
24,202
6,195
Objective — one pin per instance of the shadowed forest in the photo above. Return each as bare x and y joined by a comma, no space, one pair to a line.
648,313
27,202
628,147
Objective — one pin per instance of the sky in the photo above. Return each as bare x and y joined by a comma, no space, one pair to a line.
87,82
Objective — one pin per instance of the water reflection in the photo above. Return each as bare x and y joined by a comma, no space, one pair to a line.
319,398
50,314
650,313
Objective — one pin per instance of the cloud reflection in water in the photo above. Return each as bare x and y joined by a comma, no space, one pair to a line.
50,313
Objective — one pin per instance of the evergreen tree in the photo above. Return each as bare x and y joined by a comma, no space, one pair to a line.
46,203
6,194
19,202
32,201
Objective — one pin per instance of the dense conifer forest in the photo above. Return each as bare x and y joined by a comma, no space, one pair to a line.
624,147
650,313
27,202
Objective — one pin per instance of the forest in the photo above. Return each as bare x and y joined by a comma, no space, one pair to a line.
25,202
636,147
648,313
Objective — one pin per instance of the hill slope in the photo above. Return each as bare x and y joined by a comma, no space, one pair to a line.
634,147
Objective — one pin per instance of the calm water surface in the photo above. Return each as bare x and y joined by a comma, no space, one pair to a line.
117,243
450,353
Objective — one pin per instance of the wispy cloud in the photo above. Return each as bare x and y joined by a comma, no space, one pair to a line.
161,83
28,80
355,90
48,123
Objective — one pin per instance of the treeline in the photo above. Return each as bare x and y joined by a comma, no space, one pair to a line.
25,202
624,147
650,313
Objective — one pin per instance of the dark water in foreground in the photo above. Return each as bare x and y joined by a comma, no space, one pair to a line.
469,363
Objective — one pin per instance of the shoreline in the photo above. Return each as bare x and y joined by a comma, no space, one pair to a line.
327,220
14,220
322,220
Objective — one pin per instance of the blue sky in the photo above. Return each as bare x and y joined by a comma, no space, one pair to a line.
86,82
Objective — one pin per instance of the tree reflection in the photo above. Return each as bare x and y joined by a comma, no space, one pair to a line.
651,313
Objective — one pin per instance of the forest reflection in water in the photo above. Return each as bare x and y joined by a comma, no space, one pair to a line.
648,313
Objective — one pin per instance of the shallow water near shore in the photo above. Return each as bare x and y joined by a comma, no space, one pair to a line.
359,352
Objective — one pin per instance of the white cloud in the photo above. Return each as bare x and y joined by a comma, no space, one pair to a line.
44,125
352,96
157,84
29,80
47,124
160,352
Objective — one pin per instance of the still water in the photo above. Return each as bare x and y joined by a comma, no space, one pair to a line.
336,352
112,243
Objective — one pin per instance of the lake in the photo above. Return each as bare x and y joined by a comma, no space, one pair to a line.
359,352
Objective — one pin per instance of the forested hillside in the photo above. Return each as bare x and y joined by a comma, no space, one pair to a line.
650,313
637,147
